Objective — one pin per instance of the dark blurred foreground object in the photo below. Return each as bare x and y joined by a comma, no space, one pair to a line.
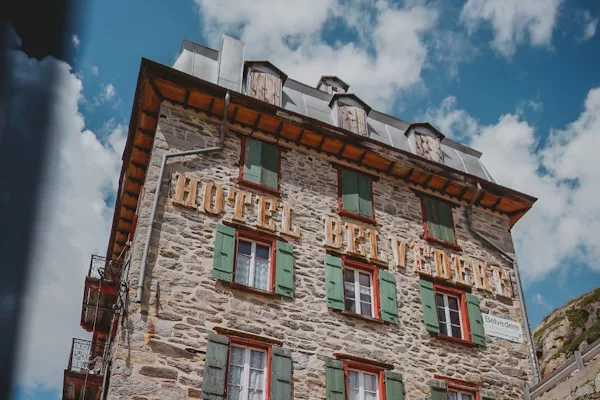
45,28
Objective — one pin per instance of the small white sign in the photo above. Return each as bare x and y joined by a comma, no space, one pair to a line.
502,328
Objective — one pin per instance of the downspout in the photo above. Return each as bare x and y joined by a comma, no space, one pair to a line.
222,130
480,236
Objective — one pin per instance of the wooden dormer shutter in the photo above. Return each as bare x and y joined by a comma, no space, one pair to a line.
265,87
352,118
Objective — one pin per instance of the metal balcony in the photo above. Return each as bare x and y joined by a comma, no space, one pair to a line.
100,294
83,376
103,269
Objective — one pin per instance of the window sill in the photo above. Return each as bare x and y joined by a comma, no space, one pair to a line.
442,243
257,186
360,316
456,340
358,217
249,289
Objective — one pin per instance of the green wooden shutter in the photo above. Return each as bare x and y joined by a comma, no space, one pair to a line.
429,308
394,386
433,227
284,269
365,196
215,367
439,393
334,282
281,374
445,224
252,160
270,166
224,253
475,320
350,200
334,380
387,297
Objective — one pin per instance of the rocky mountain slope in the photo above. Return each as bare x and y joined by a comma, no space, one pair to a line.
566,329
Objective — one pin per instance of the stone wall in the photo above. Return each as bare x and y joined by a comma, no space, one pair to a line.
184,303
582,385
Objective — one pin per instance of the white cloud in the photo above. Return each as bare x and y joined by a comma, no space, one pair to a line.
589,25
513,21
564,224
74,220
388,56
541,301
108,93
76,42
95,70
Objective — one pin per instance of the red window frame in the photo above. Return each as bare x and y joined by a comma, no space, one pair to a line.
464,313
256,344
366,367
256,237
350,214
460,386
374,271
253,185
433,239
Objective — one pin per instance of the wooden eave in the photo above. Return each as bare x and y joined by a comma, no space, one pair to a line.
157,82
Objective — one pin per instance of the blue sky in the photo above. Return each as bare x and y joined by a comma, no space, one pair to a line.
515,82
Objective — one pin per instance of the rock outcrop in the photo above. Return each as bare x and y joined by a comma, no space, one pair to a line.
566,329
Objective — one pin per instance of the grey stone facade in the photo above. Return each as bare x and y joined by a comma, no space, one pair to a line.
159,345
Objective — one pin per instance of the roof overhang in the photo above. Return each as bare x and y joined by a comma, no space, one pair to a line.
157,82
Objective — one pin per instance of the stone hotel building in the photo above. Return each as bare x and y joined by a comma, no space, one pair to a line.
273,240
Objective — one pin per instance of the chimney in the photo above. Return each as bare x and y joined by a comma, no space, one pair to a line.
332,85
231,63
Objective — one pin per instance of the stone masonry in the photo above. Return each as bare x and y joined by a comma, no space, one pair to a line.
160,342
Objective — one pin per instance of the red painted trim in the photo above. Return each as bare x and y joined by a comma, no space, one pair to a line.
433,239
351,364
350,214
464,313
254,185
257,237
460,385
349,263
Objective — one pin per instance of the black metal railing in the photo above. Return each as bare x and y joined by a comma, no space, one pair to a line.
80,360
80,355
101,268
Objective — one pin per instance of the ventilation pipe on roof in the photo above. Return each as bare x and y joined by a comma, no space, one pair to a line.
525,315
222,131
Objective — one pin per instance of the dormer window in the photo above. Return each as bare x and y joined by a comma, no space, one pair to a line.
264,82
351,113
332,85
426,141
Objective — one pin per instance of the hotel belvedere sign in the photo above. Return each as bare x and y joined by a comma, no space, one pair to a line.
274,216
502,328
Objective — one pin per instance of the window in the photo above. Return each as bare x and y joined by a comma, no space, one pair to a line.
438,222
243,366
362,385
358,292
253,264
250,260
456,389
360,289
247,373
448,310
455,395
260,166
452,313
356,195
